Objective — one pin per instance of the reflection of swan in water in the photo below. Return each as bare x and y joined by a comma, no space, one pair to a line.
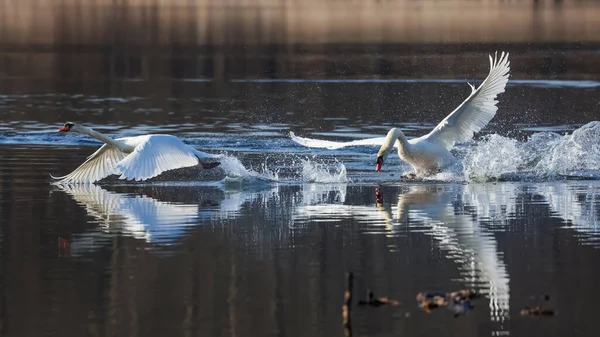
578,205
452,218
439,212
575,203
148,218
462,220
446,216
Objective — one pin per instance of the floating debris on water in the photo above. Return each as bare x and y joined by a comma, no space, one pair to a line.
458,301
537,311
377,301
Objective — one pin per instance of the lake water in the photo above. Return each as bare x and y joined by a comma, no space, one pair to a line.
260,246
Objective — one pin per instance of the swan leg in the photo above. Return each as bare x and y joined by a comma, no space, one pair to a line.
207,166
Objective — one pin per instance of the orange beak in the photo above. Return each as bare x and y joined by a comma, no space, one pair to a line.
379,163
63,129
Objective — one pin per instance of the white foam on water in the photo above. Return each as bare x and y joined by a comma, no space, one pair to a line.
235,171
314,172
543,156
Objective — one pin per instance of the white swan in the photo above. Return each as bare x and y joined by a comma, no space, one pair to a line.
138,158
430,153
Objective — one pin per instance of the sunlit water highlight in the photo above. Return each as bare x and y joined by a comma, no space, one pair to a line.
544,155
277,224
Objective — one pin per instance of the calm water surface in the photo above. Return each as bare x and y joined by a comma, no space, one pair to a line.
223,253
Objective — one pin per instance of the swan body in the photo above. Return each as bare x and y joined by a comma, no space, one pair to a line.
425,157
133,158
430,153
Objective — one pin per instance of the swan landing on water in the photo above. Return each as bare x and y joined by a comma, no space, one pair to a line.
430,153
137,158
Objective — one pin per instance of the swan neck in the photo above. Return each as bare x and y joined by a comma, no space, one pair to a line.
402,141
105,139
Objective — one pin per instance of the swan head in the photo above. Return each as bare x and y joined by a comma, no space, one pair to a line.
380,159
387,146
70,126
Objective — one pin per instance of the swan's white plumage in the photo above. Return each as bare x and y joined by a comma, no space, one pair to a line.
142,217
155,154
309,142
477,110
151,156
97,166
431,151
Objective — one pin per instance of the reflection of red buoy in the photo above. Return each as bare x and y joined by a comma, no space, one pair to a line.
64,246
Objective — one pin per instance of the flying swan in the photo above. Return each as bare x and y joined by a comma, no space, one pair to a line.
137,158
430,153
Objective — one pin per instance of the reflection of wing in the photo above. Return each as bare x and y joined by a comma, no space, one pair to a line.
310,142
138,216
148,218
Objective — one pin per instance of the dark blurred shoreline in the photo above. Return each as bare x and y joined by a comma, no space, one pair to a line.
141,40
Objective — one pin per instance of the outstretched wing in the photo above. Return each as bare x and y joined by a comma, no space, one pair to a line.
153,154
97,166
156,154
310,142
477,110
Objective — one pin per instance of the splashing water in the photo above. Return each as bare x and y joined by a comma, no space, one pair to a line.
235,171
319,173
309,171
577,152
545,155
491,158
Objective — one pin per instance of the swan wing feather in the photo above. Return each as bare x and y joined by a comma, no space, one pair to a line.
477,110
97,166
156,154
319,143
